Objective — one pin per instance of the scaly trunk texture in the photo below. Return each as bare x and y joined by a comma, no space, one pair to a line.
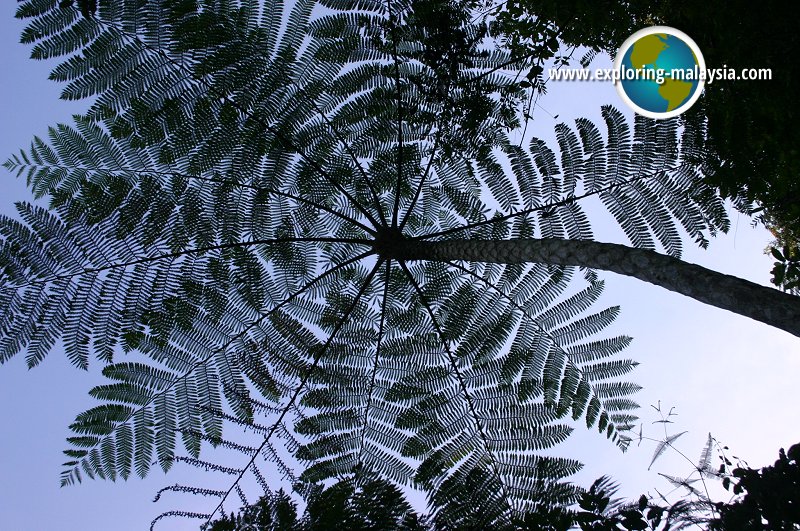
734,294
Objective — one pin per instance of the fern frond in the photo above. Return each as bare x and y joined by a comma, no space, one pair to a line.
222,215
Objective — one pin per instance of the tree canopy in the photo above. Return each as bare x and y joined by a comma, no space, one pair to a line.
766,498
230,229
763,499
749,147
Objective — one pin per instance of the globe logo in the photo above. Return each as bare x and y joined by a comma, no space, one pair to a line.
660,72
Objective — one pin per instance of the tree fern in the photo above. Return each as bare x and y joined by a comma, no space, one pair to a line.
233,217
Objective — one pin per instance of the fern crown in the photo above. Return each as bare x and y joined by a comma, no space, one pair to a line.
225,234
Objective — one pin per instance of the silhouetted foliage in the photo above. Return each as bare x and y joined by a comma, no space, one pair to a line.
272,512
786,251
380,506
88,7
769,498
372,505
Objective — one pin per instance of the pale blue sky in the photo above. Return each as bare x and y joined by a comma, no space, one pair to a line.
723,373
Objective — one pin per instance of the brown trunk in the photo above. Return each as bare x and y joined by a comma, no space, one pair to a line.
734,294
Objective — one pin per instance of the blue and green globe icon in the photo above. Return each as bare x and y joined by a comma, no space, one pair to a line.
660,72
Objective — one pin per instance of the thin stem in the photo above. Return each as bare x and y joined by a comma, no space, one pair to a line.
533,101
700,474
188,252
314,164
486,11
547,333
422,180
239,335
272,191
461,383
374,364
525,212
353,157
275,131
500,67
393,32
299,388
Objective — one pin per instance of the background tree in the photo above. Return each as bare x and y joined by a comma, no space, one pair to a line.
767,498
786,251
746,146
233,213
373,504
272,511
380,506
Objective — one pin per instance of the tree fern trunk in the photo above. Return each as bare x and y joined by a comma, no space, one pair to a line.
734,294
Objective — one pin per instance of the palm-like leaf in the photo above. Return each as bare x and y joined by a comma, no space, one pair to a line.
229,213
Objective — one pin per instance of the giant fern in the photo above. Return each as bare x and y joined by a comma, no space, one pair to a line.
226,232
